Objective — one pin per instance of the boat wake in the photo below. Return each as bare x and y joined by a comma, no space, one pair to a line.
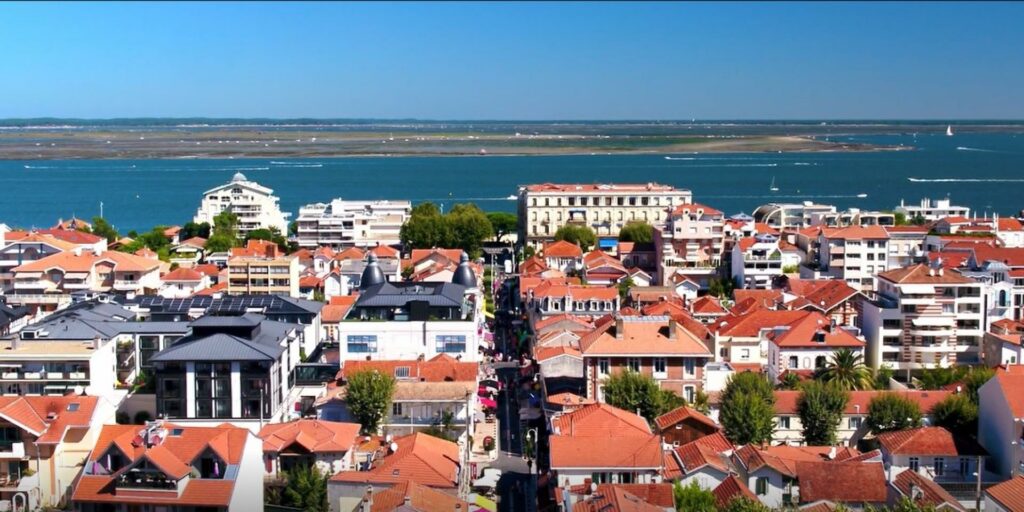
963,148
966,180
680,158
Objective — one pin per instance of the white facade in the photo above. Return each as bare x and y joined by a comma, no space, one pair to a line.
691,243
407,340
179,289
853,260
352,223
755,265
933,209
781,359
791,215
999,431
255,205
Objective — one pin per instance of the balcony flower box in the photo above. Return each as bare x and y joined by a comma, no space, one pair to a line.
9,375
33,375
76,375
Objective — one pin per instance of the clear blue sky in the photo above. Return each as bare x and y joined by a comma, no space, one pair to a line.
513,60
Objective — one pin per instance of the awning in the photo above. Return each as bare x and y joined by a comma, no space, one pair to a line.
487,402
485,504
917,289
934,321
608,243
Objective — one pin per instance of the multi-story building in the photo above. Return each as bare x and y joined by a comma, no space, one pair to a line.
255,205
757,261
791,215
599,443
324,445
852,217
1001,420
923,317
807,345
551,297
906,245
604,208
932,209
351,223
177,468
690,243
252,271
657,346
854,254
31,247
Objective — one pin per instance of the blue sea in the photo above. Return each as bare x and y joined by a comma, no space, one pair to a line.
984,171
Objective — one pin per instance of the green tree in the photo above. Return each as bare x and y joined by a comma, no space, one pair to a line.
192,229
748,409
369,398
721,287
900,218
426,228
637,231
820,407
957,414
306,489
225,233
938,378
470,227
582,236
789,381
632,391
270,235
846,369
100,227
693,498
503,223
882,376
624,286
701,402
889,411
744,504
973,381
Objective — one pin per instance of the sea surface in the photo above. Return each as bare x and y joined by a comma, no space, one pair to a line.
983,170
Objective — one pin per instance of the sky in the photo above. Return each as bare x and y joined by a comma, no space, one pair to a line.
514,61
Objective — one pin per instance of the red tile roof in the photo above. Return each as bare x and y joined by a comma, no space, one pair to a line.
928,441
1008,494
859,233
562,249
814,330
599,420
72,236
421,499
315,436
847,482
705,451
208,269
707,305
822,294
352,253
678,414
785,401
749,325
338,308
643,336
615,451
570,399
441,368
182,274
615,497
922,274
1013,257
932,494
420,458
32,413
86,260
591,187
768,299
730,489
545,353
694,207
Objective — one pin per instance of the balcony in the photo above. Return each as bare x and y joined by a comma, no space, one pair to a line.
125,284
12,450
146,480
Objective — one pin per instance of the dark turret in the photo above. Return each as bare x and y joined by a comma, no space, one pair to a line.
372,274
463,274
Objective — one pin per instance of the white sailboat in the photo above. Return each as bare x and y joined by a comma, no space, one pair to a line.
949,130
772,187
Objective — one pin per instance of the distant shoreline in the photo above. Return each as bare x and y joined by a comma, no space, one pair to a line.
32,145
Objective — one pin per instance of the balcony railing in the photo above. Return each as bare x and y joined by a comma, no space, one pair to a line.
132,480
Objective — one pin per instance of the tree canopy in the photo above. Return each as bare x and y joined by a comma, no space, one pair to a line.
271,235
464,227
693,498
100,227
632,391
957,414
306,489
846,369
503,223
637,231
820,406
368,397
748,409
192,229
225,233
889,411
582,236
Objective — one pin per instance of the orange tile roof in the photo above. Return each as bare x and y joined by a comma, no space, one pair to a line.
616,497
420,458
554,319
769,299
32,413
859,233
72,236
562,249
1010,224
678,414
385,252
599,420
932,494
822,294
922,274
786,401
1013,257
706,451
1008,494
805,332
182,274
352,253
198,493
545,353
441,368
784,458
616,451
730,489
208,269
40,238
196,241
577,292
707,305
569,399
693,207
848,482
749,325
257,249
69,262
315,436
217,288
336,311
929,441
643,336
421,499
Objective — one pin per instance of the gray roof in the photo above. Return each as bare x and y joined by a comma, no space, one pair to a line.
267,304
87,320
372,274
219,347
400,294
246,320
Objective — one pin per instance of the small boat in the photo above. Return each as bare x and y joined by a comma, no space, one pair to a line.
512,197
862,195
949,130
772,187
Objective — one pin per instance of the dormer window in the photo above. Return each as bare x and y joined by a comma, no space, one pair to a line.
210,466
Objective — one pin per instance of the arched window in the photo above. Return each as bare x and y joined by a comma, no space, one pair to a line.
1003,300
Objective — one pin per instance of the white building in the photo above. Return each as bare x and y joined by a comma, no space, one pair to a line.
854,254
757,261
932,209
352,223
807,345
1000,420
923,318
691,243
255,205
604,208
791,215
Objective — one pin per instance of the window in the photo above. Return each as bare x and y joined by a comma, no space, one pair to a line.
745,353
915,464
213,390
633,363
783,422
689,367
793,362
602,366
401,372
909,308
855,423
761,485
450,343
148,347
659,366
965,466
625,478
940,466
689,393
396,409
362,343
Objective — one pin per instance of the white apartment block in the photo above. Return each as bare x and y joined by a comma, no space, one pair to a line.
691,243
255,205
924,318
932,209
757,261
352,223
791,215
852,217
605,208
854,254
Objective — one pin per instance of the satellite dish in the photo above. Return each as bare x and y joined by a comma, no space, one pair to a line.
79,390
394,447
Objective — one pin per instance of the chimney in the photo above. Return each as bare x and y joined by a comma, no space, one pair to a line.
407,501
96,342
672,326
619,327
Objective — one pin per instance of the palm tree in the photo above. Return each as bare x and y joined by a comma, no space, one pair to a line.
846,369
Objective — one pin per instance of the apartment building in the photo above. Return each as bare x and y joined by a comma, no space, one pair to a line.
791,215
1001,420
657,346
807,345
260,268
340,223
932,209
31,247
690,243
255,205
852,217
906,245
604,208
757,261
924,317
601,444
854,254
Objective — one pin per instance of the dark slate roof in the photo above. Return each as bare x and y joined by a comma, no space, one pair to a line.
86,320
400,294
218,347
268,304
246,320
9,314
